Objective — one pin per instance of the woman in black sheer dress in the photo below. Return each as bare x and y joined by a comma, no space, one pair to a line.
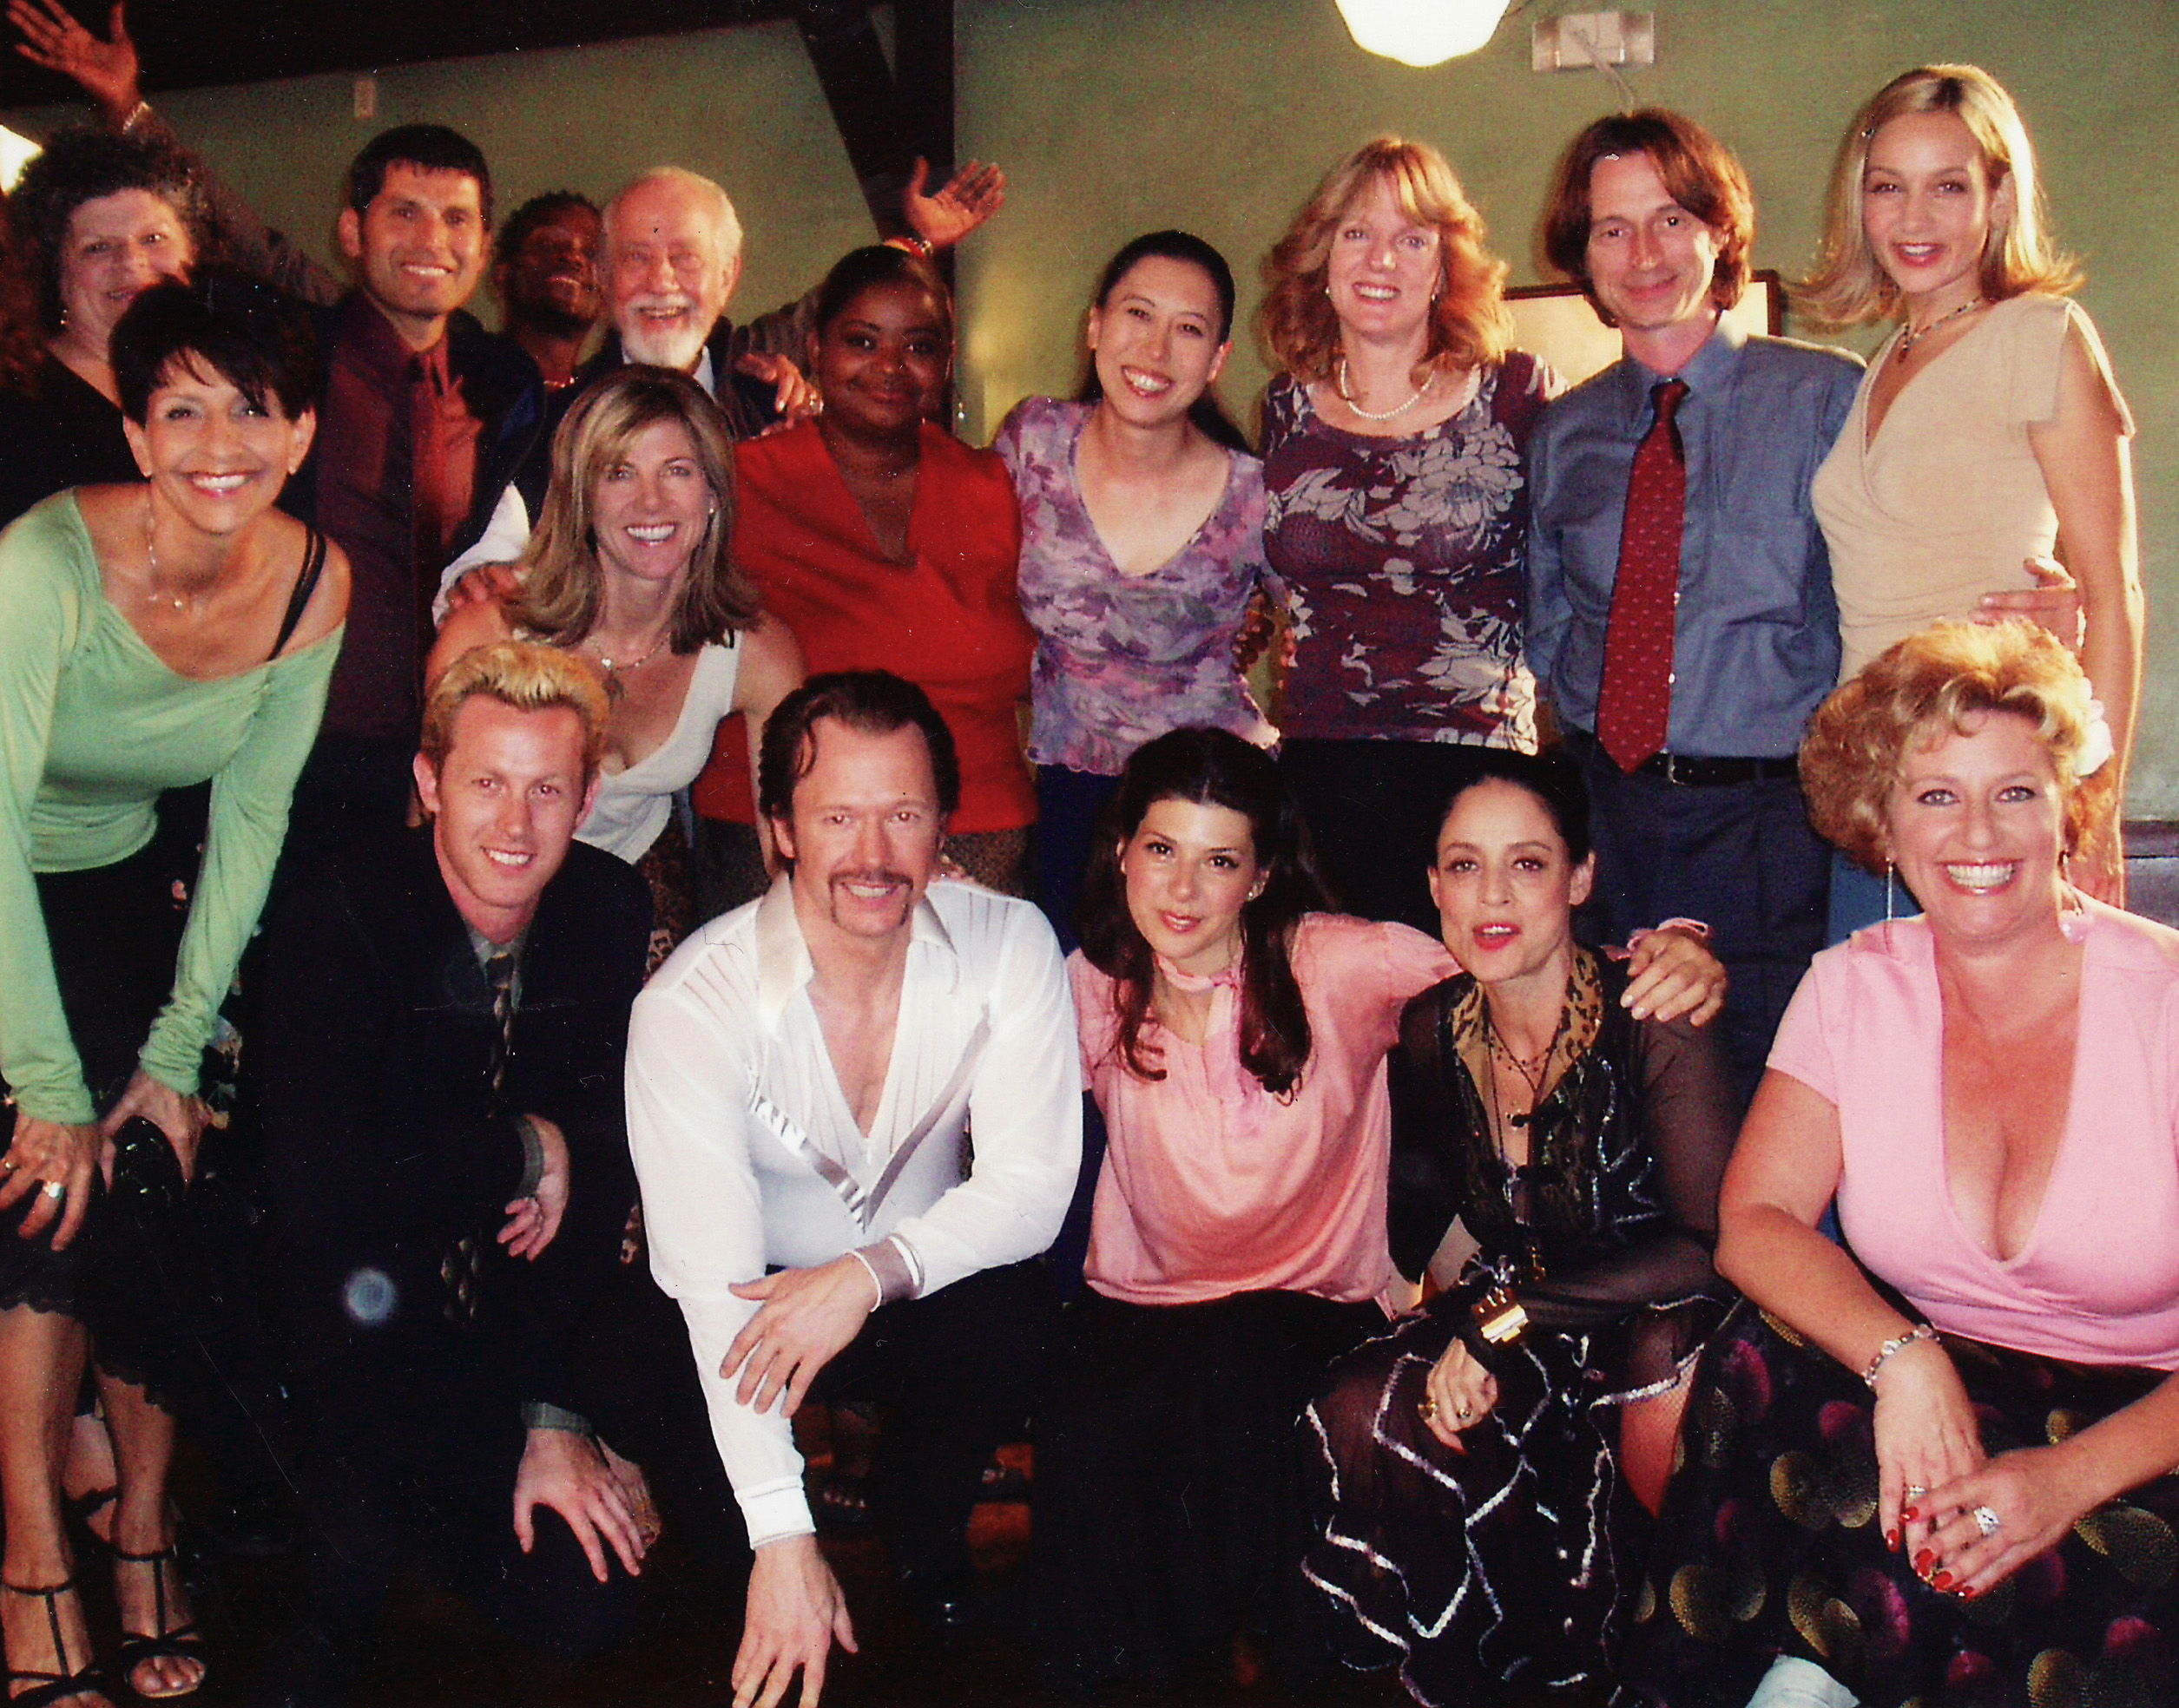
1487,1463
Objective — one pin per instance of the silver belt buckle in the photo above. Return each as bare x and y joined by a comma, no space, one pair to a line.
1671,770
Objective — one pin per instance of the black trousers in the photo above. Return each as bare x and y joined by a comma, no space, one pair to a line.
409,1451
956,1372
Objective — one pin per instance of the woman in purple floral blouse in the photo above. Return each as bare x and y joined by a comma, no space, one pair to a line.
1142,517
1396,512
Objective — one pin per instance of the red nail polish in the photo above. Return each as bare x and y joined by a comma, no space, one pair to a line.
1968,1592
1924,1560
1910,1514
1891,1540
1942,1580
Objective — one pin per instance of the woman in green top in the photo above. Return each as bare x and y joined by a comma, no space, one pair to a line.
151,635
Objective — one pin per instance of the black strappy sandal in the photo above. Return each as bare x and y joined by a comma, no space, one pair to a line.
181,1642
50,1687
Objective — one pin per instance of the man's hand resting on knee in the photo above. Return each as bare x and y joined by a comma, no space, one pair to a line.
566,1472
808,1317
796,1611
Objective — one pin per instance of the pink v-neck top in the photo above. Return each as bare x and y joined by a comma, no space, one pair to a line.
2098,1280
1211,1186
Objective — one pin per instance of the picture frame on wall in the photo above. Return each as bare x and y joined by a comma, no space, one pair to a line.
1558,322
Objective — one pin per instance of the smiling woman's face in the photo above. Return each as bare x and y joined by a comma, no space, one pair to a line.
1190,869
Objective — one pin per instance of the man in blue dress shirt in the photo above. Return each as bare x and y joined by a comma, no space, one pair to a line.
1653,217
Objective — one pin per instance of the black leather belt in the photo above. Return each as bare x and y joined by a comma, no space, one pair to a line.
1687,770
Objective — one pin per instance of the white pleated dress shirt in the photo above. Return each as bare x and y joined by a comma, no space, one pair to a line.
750,1158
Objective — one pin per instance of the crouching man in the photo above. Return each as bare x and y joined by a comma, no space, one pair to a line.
855,1106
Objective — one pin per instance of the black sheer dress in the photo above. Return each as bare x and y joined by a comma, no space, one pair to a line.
1517,1559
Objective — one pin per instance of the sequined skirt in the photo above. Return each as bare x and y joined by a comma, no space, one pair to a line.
1770,1546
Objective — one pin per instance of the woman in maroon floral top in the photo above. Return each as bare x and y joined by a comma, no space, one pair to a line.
1397,514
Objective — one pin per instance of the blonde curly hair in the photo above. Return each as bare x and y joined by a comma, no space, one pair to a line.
1933,683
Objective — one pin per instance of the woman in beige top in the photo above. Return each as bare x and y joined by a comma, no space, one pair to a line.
2010,440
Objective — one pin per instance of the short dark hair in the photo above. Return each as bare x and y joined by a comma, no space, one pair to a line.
871,702
80,166
539,211
1699,170
861,270
257,338
1214,768
428,147
1554,780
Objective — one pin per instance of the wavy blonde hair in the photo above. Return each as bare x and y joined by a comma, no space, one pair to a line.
1849,287
563,583
1930,686
526,676
1469,324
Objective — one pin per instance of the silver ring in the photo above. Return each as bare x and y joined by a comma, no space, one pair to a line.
1986,1520
1465,1413
1427,1408
54,1188
1915,1491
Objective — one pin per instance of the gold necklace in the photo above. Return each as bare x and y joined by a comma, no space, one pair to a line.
153,592
1910,335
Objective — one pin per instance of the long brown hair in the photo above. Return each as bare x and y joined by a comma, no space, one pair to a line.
563,583
1212,768
1470,326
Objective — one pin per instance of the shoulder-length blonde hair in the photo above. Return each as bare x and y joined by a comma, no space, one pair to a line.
1928,686
1850,287
563,583
1469,324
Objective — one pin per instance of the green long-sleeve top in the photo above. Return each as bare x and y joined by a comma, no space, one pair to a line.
94,725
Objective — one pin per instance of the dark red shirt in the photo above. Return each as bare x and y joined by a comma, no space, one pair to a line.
398,441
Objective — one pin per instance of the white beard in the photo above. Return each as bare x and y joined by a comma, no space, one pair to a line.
678,346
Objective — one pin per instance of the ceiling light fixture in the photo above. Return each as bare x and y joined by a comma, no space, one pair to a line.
1421,32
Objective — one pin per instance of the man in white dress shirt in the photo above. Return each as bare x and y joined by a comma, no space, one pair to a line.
803,1077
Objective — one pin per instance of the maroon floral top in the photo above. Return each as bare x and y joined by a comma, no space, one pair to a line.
1402,563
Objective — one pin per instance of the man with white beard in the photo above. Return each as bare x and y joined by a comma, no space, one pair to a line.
669,264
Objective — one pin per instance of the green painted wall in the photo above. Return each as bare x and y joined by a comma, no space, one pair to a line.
1113,117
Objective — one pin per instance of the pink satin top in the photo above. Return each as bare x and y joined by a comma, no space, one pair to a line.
1212,1187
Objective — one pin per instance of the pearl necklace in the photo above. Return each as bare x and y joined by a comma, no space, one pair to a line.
1911,335
1346,398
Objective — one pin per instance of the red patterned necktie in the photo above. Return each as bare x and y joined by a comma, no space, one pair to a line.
1634,706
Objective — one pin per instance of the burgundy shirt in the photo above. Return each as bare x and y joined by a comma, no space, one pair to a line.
397,442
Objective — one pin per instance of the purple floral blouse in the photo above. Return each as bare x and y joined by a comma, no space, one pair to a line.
1401,558
1120,659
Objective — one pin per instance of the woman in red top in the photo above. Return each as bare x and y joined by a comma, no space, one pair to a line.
887,544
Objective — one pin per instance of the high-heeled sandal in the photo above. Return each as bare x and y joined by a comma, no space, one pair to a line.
180,1642
51,1687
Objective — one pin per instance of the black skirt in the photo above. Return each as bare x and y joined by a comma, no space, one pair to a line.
1168,1516
114,932
1515,1561
1769,1546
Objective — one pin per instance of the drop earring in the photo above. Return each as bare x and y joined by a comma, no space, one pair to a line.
1891,894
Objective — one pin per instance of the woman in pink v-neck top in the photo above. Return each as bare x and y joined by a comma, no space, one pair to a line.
1959,1432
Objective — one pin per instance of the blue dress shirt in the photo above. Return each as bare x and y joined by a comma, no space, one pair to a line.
1756,645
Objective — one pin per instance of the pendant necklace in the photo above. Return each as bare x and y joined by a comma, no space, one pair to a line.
616,668
154,593
1911,335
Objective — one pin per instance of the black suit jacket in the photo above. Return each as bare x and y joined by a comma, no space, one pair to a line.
384,1142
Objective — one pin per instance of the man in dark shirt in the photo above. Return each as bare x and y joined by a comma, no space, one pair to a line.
546,276
439,1071
423,412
